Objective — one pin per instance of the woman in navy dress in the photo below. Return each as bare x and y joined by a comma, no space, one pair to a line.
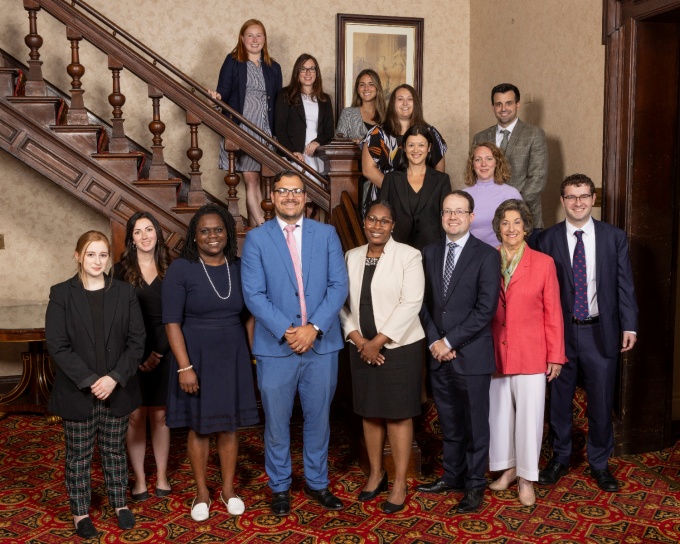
143,265
211,391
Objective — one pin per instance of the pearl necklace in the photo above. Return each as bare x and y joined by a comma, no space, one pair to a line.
211,283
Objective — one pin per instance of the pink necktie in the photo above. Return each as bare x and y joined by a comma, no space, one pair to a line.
292,247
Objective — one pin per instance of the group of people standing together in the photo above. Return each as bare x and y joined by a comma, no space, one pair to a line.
453,278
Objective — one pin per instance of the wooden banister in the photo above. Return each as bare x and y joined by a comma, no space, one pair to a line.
182,90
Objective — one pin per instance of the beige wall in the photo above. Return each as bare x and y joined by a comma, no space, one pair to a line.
552,50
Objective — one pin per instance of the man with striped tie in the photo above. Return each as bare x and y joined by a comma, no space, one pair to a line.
462,284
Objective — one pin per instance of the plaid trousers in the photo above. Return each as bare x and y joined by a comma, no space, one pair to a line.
80,436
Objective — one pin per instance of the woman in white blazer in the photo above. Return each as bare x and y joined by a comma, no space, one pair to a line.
386,288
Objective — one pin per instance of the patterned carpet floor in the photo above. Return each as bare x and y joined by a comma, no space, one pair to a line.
34,507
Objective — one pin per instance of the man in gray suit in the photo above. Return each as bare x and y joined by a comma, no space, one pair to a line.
524,147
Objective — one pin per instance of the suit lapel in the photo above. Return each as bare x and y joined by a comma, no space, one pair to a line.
111,297
463,260
82,306
242,80
401,189
438,269
425,190
307,248
279,242
515,136
522,267
600,250
300,109
563,248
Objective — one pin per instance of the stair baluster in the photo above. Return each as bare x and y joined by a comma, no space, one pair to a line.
35,85
158,169
267,205
232,180
118,142
196,196
77,114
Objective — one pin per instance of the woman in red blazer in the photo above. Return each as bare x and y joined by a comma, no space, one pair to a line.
528,337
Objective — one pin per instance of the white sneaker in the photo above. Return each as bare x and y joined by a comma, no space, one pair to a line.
234,505
201,511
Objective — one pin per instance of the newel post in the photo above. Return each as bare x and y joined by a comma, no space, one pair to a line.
341,161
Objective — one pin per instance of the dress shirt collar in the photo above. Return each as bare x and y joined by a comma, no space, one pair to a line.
461,241
283,224
509,128
588,228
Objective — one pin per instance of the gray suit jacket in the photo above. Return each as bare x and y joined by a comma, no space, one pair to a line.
527,154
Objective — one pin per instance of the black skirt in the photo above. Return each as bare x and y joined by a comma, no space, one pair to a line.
391,390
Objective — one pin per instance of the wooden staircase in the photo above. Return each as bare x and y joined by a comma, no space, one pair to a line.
55,134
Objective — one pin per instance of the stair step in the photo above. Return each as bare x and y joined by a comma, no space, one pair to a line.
162,190
123,165
42,109
82,137
7,76
186,209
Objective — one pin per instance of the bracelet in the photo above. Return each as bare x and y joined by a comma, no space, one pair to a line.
184,369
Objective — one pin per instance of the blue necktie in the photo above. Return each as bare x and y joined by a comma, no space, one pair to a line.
450,264
580,278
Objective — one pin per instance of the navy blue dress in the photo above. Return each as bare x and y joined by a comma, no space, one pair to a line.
216,344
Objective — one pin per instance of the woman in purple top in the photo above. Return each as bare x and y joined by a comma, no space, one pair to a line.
486,174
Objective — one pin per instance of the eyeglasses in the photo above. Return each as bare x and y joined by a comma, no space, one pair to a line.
282,191
457,213
372,220
574,198
305,70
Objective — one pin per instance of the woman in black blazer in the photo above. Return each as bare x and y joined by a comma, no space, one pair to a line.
95,336
416,191
303,113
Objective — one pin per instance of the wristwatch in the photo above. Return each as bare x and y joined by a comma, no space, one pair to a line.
319,332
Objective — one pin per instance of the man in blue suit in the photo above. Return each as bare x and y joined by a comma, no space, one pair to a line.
600,319
462,283
294,283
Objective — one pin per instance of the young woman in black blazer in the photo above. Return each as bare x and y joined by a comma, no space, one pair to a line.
303,113
416,190
95,336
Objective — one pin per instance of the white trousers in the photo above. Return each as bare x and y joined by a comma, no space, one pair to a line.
516,422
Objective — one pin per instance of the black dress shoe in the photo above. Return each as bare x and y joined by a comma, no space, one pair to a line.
324,497
382,487
281,503
391,508
440,486
162,492
85,528
605,480
551,474
471,501
126,519
140,496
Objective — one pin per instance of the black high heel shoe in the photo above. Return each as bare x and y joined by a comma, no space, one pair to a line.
382,487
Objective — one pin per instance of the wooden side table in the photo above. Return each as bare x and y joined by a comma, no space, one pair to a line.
26,323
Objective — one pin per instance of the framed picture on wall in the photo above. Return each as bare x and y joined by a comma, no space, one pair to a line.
392,46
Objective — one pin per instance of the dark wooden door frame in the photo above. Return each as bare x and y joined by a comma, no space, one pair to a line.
647,212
